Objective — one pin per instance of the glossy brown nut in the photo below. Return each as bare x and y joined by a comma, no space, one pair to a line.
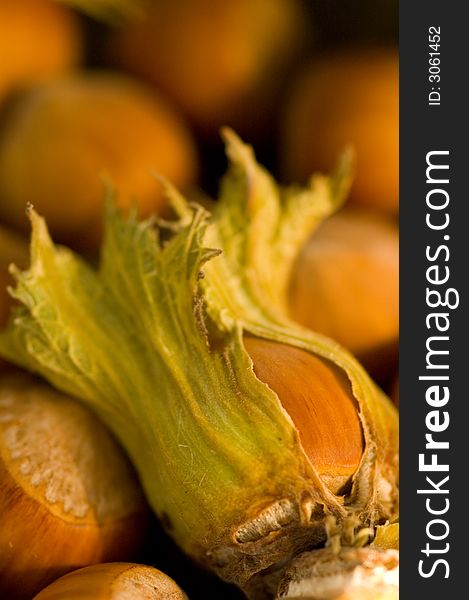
318,399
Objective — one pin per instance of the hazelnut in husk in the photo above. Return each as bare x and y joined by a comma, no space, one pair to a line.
248,431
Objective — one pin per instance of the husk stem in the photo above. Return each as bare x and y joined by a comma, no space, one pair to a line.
153,342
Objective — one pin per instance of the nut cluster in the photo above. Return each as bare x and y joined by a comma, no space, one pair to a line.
189,377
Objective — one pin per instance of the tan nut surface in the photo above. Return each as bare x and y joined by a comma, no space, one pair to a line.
68,496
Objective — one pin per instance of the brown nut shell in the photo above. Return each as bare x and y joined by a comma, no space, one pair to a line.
68,497
318,398
113,581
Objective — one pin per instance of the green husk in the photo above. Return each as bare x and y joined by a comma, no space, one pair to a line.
152,341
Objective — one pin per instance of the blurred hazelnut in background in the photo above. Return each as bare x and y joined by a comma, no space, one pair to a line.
221,61
346,285
61,140
349,97
38,39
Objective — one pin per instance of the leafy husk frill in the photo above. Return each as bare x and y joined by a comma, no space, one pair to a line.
153,342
